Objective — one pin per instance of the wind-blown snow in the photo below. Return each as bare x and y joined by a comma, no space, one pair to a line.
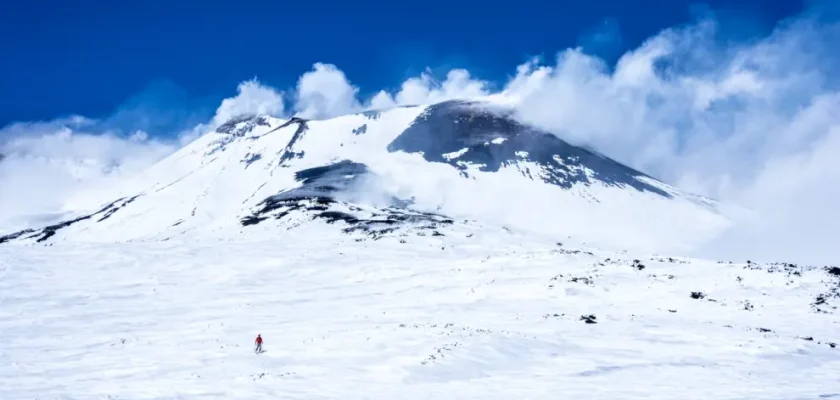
468,315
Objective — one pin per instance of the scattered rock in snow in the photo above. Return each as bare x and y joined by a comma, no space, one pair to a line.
589,319
251,158
268,374
360,130
638,265
673,260
565,251
371,115
747,305
583,280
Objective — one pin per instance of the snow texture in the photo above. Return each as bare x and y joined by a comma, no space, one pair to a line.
466,315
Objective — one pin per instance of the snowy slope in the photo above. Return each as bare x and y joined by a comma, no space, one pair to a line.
456,159
483,317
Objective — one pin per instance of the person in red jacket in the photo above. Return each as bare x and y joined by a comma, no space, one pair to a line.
258,349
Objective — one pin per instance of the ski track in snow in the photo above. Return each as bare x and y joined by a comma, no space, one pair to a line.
461,318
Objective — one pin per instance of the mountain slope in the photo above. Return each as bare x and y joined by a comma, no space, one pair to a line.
463,160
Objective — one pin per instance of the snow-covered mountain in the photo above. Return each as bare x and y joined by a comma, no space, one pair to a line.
409,169
418,252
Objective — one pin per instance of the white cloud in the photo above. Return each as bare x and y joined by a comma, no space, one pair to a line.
646,112
47,164
382,100
252,98
795,198
424,89
752,123
325,92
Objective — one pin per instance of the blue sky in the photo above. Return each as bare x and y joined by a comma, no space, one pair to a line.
177,60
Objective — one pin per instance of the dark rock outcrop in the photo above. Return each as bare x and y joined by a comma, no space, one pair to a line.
491,139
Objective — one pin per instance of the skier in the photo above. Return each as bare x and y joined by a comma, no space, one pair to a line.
258,349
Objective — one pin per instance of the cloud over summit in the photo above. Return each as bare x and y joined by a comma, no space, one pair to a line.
252,98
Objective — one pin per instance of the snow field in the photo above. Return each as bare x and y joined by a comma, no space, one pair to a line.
479,317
